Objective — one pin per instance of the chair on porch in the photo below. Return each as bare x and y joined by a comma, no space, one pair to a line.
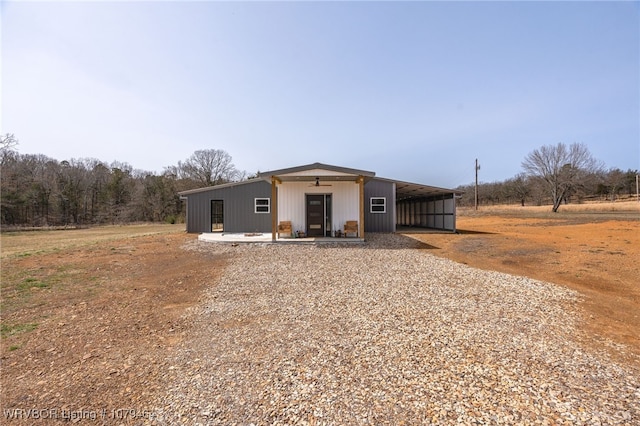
284,228
351,227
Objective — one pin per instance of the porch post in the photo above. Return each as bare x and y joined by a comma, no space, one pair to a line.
274,208
361,221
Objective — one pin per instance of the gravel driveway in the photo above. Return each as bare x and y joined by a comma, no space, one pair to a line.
386,333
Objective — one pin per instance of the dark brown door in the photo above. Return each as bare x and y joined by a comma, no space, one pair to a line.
315,215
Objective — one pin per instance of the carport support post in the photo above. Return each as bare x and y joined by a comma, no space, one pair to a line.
274,208
361,221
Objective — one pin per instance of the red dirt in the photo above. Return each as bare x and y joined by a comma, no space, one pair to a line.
599,259
106,312
105,323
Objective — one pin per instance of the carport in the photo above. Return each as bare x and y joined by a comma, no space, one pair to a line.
425,206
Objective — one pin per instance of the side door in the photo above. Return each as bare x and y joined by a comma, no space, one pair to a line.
217,215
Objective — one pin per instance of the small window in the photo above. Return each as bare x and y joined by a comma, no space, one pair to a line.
263,205
378,205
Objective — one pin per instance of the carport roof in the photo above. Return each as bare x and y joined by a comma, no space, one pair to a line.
407,190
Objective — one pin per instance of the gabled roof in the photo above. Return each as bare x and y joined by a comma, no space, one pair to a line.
311,171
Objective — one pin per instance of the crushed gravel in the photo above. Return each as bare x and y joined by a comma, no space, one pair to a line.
384,333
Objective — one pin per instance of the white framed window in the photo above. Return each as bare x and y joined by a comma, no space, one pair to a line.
262,205
378,205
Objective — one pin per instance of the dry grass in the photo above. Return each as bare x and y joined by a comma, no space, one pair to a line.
588,207
27,243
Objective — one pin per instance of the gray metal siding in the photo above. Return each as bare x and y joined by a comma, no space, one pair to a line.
239,208
380,222
437,211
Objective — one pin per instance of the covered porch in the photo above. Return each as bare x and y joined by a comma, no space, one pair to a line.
317,201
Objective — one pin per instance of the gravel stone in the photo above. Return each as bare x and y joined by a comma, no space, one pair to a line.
385,333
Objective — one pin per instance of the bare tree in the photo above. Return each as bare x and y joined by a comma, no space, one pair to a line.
612,183
561,168
517,188
72,184
209,167
7,141
7,144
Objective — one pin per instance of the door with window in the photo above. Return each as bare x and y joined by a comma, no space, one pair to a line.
318,215
315,215
217,215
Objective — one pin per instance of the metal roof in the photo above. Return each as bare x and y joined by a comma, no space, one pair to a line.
340,172
406,190
222,185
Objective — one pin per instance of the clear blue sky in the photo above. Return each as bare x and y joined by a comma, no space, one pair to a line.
414,91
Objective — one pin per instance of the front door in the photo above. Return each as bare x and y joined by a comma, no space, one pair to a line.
315,215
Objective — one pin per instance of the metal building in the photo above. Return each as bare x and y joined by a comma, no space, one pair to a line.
319,200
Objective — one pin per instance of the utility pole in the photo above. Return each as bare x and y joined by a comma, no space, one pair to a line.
478,168
637,192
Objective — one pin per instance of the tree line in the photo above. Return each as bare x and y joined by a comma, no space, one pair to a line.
37,190
556,175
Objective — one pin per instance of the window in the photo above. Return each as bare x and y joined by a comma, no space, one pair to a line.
262,205
378,205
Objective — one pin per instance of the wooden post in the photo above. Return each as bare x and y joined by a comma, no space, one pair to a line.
361,221
274,208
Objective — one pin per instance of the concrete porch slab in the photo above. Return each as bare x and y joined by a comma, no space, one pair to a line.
257,237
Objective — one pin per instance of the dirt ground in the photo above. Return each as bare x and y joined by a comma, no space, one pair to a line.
88,316
86,327
595,251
